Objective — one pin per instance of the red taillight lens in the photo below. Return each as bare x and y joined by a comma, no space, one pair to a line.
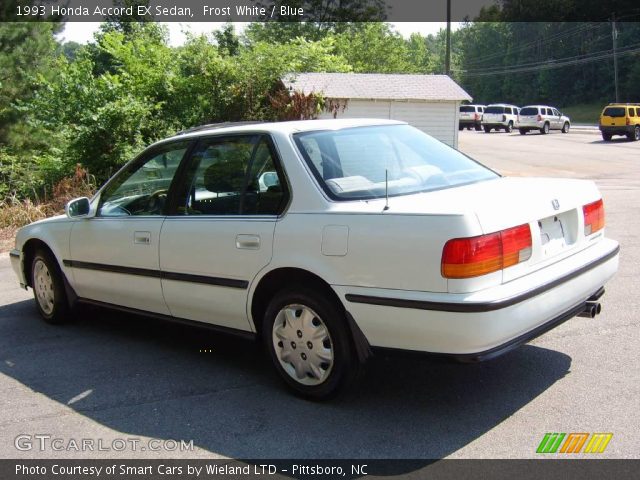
628,121
475,256
593,217
477,116
539,118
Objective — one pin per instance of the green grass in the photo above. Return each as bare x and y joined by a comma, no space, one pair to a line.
586,113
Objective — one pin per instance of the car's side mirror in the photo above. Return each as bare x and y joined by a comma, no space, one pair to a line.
78,207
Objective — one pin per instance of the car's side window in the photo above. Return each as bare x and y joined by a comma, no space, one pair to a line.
507,110
232,176
142,188
632,112
556,112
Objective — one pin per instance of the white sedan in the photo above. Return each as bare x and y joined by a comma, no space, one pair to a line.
324,239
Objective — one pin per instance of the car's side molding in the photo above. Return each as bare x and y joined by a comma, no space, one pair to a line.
478,307
180,277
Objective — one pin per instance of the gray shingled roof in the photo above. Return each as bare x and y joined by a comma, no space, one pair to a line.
377,86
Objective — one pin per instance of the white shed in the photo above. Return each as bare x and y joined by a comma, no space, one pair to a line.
428,102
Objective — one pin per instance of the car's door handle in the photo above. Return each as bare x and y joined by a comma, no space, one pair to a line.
248,242
142,238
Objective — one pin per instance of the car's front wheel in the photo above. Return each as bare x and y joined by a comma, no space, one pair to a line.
307,338
48,288
565,127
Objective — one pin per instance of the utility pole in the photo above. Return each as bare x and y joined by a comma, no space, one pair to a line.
447,56
614,34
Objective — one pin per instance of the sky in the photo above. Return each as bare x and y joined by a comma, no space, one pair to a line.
82,32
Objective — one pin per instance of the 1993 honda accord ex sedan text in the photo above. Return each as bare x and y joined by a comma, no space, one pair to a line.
326,238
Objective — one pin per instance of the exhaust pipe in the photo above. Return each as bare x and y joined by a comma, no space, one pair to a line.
591,309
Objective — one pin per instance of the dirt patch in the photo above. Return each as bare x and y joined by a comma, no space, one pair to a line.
7,238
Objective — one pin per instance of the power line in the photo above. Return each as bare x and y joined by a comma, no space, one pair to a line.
557,64
539,43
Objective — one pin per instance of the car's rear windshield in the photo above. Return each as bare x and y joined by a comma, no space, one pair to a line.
529,111
494,110
367,162
466,108
614,112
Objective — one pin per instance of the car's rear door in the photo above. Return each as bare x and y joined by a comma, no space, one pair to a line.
220,232
114,255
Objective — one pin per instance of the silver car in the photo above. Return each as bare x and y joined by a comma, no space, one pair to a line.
543,119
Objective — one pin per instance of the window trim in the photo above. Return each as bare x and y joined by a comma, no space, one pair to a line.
180,178
142,158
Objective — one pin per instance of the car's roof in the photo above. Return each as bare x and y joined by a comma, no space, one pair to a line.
282,127
502,105
538,106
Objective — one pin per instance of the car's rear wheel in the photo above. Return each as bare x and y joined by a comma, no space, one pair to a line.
565,127
460,127
522,131
487,129
509,127
606,137
635,135
307,338
48,288
545,129
478,128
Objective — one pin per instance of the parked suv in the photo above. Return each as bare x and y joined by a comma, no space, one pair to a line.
542,118
471,116
500,116
620,119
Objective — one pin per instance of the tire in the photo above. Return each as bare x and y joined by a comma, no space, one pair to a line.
48,288
522,131
316,324
565,127
635,135
460,127
487,129
509,127
606,137
478,128
545,129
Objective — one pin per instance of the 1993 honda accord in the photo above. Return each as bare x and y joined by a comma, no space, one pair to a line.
326,238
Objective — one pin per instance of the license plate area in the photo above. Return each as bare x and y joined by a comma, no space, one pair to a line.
557,233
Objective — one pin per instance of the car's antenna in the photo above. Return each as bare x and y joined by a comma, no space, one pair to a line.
386,190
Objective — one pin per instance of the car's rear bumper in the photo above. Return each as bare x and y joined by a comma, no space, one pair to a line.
618,130
531,125
468,121
495,124
486,323
16,263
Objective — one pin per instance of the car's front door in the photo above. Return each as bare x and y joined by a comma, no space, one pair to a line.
220,233
114,255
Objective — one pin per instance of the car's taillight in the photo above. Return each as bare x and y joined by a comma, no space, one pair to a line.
477,116
475,256
539,117
628,121
593,217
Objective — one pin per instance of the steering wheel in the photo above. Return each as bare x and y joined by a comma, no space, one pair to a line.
155,202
